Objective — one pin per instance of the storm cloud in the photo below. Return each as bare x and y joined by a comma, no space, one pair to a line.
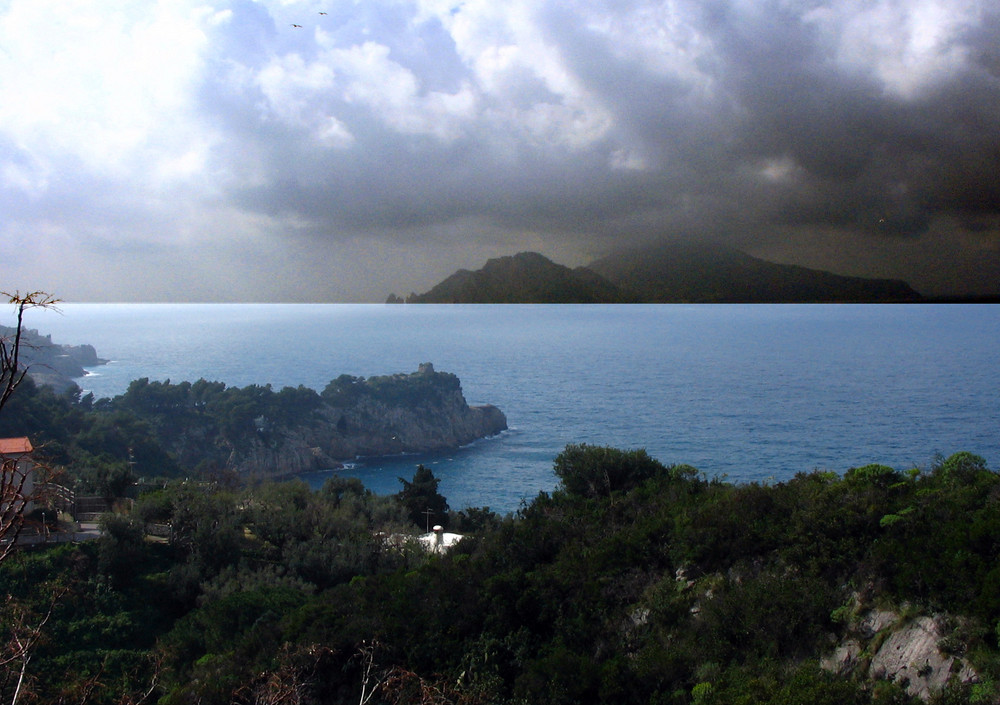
226,154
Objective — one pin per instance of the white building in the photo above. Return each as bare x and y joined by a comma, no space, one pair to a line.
439,540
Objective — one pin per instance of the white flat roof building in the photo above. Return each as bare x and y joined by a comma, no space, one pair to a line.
439,540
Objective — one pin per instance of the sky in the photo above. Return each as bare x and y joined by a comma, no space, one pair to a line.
337,150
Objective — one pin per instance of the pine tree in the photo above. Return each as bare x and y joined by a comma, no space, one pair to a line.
424,504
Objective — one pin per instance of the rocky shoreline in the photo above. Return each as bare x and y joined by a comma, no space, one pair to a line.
259,433
51,364
383,416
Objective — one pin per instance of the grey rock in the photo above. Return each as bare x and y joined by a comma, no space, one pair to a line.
422,412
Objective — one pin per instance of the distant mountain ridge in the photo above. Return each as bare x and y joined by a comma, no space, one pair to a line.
527,277
666,272
686,272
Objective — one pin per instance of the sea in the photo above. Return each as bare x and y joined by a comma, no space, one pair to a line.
745,393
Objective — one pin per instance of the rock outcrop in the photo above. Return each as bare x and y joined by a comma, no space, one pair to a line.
421,412
912,652
257,432
51,364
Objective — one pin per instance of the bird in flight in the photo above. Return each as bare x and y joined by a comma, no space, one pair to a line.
297,25
322,13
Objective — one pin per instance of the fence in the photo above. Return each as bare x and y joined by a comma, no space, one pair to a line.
63,499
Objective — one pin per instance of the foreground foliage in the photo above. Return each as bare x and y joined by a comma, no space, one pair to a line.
632,582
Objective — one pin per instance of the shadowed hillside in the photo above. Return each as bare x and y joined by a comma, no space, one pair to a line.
666,272
527,277
671,272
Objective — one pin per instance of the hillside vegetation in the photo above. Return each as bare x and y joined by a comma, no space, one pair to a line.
527,277
633,582
166,429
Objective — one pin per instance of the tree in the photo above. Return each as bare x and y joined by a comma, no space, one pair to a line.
595,471
12,372
120,548
962,467
17,483
422,500
17,478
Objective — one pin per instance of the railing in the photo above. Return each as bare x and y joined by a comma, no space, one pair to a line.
60,498
64,499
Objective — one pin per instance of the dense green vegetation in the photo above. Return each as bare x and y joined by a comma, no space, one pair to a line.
97,445
631,582
346,390
168,430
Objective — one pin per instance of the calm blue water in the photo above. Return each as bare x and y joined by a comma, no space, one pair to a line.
746,392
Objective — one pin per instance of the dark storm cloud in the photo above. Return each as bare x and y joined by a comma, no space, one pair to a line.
857,154
864,157
567,127
885,162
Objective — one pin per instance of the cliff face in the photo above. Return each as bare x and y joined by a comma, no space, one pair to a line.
921,653
376,428
51,364
421,412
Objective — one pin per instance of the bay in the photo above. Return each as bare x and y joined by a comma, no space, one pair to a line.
749,393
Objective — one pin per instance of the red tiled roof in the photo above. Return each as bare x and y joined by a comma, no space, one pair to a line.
15,446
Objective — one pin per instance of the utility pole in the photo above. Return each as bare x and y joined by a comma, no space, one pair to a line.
428,513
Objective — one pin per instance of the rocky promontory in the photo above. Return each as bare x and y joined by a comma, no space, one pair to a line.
403,413
51,364
257,432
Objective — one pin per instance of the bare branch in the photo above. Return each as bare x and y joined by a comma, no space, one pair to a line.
24,635
368,686
289,683
11,371
13,501
16,476
154,682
